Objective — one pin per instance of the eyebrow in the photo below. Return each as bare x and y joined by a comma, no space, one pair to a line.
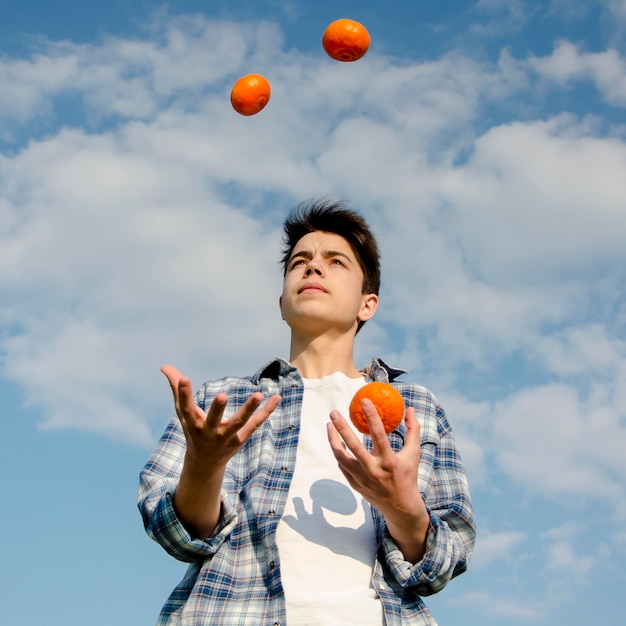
327,254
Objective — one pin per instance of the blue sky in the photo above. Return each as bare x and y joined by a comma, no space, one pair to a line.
140,218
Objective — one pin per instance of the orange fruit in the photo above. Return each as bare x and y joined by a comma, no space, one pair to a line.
250,94
388,402
346,40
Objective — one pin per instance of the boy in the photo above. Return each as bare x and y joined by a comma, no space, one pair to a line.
283,516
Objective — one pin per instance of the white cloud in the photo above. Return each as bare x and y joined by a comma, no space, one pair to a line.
497,546
113,261
508,241
619,540
581,350
566,531
501,16
557,559
567,63
618,9
471,426
563,557
498,606
134,78
571,9
124,247
565,552
554,442
548,195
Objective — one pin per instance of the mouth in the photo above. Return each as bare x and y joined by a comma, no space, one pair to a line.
312,288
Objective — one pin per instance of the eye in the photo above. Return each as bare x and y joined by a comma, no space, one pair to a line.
297,262
337,261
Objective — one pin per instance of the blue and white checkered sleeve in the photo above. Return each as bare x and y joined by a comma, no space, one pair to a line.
157,483
452,533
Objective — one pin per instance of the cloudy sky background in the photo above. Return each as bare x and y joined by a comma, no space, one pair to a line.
485,142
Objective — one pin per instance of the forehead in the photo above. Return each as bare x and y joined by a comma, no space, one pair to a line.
320,241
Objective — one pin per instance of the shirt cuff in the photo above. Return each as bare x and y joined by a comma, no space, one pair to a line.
169,532
430,574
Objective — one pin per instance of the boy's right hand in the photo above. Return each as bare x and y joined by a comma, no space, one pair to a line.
211,440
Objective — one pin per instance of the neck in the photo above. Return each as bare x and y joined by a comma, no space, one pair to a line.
320,356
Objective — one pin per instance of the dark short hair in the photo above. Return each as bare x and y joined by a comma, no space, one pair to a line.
333,216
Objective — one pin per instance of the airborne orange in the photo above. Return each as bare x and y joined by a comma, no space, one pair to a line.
250,94
346,40
388,402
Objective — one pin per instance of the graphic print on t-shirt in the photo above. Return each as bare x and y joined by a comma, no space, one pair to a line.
326,538
328,497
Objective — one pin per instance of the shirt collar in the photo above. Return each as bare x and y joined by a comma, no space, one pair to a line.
376,369
274,369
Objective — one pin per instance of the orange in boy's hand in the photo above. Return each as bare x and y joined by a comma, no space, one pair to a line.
388,402
346,40
250,94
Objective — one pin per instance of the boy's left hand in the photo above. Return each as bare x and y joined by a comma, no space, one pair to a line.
386,479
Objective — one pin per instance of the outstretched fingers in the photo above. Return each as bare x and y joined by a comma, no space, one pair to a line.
244,421
259,416
173,377
342,438
184,401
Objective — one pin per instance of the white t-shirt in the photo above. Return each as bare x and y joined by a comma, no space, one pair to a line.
326,537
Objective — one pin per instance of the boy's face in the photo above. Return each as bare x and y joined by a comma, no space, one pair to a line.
322,289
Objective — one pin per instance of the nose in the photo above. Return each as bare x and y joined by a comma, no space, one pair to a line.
313,266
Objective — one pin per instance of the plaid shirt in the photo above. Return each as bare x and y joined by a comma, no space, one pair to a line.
234,575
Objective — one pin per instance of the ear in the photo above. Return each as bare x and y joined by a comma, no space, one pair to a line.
280,306
369,304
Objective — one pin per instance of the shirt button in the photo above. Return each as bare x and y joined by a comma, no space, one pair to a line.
272,564
290,427
283,468
271,512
